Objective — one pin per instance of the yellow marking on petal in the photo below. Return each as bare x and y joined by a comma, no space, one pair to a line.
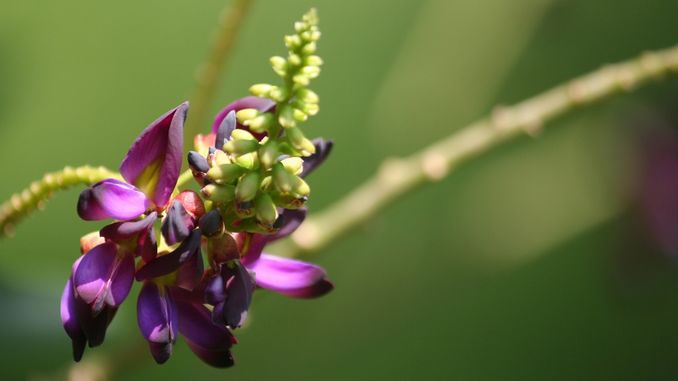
147,181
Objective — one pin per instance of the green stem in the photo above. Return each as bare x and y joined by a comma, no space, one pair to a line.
207,77
398,176
34,196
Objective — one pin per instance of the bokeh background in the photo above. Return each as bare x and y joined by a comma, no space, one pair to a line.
549,258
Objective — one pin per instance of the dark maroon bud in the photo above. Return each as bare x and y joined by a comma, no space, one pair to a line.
211,223
177,224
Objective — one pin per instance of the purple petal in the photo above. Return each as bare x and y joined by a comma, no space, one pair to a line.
215,290
171,262
70,321
111,198
210,342
292,218
103,277
256,246
120,231
94,326
225,129
190,273
147,245
177,225
322,150
157,319
290,277
261,104
153,163
239,288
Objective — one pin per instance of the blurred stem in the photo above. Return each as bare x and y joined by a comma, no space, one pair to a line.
34,196
230,22
397,176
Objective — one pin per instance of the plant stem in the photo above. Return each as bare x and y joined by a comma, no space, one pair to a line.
35,195
397,176
208,74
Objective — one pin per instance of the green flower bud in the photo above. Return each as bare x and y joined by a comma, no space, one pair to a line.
241,146
292,41
246,114
268,153
261,123
300,187
279,65
278,94
286,117
294,60
307,96
283,180
301,80
311,71
310,108
297,140
309,49
261,89
225,173
300,26
265,209
289,201
239,134
244,209
247,187
249,161
293,165
219,194
220,157
313,61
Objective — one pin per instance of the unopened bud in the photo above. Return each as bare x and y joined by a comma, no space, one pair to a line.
244,209
260,123
308,96
247,187
246,114
301,188
219,194
241,146
297,139
282,179
197,162
286,117
311,71
268,154
249,161
293,165
292,41
211,223
299,115
225,173
192,203
294,60
261,89
309,48
313,60
301,79
265,209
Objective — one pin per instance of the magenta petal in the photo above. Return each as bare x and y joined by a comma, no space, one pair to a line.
290,277
103,277
210,342
257,244
157,319
171,262
153,163
120,231
261,104
111,198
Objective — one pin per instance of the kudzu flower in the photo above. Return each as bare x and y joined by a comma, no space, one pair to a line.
251,171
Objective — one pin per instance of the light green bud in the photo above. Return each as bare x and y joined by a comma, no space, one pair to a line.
301,79
278,94
293,165
268,153
265,209
225,173
247,187
300,187
247,114
309,49
219,194
313,60
248,161
283,180
261,123
300,26
311,71
286,117
297,140
310,108
308,96
261,89
299,115
239,134
279,65
241,146
292,41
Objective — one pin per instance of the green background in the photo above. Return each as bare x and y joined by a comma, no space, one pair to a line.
530,263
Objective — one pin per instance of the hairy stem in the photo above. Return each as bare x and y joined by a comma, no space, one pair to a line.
207,77
398,176
35,195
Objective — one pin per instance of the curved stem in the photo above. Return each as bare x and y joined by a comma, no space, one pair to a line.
36,194
397,176
230,22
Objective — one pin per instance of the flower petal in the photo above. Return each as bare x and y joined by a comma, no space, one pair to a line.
256,246
171,262
120,231
103,277
322,151
70,321
157,319
292,218
261,104
177,225
111,198
153,163
290,277
239,287
225,129
210,342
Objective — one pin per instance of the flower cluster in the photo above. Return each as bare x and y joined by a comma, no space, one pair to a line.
200,256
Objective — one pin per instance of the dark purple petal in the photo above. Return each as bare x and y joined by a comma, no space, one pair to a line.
120,231
177,225
197,162
322,150
240,286
153,163
171,262
211,223
261,104
210,342
290,277
157,319
190,273
94,326
292,218
256,246
215,290
70,321
225,129
103,277
147,245
111,198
